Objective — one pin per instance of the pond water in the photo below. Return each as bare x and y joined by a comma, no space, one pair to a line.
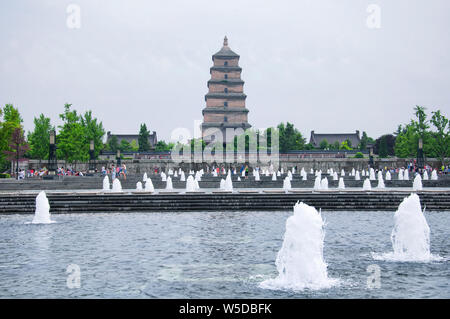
206,255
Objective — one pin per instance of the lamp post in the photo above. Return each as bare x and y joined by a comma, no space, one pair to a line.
420,156
91,157
118,158
52,154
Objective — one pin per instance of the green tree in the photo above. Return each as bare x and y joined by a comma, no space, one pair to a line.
345,146
71,138
10,121
134,145
39,139
383,151
125,146
323,144
144,135
113,143
441,145
93,131
18,146
290,138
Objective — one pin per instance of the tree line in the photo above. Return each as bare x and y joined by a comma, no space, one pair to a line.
78,130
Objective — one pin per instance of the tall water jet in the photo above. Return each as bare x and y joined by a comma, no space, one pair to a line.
434,176
274,176
256,174
163,177
317,183
400,174
324,183
380,181
190,184
353,172
222,184
363,173
425,175
406,175
341,183
289,174
42,213
228,183
357,177
410,236
371,174
106,186
342,172
182,176
366,185
278,173
116,185
287,184
304,176
388,176
144,178
138,186
417,184
335,176
149,185
169,183
300,261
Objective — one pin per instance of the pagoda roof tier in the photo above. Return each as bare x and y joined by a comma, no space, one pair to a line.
226,125
226,81
225,52
230,96
224,68
223,109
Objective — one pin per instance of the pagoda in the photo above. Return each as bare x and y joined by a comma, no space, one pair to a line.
225,100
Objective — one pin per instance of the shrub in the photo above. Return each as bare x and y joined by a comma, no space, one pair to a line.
359,155
5,175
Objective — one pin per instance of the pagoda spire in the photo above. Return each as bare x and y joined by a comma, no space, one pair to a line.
225,41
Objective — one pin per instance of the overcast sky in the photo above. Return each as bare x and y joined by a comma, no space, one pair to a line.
314,63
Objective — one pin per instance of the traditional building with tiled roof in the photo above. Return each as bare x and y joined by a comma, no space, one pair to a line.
316,138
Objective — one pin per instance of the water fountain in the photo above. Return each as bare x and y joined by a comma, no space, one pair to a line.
317,183
353,172
380,180
406,175
106,186
289,174
324,183
342,172
400,174
116,185
335,176
169,183
434,176
274,176
300,261
256,174
42,213
182,176
287,184
138,186
341,183
372,174
175,174
163,177
228,183
410,236
425,175
388,176
190,184
417,184
357,177
149,185
304,176
366,185
144,178
363,173
222,184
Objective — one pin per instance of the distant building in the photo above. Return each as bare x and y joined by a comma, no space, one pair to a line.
152,140
225,102
316,139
